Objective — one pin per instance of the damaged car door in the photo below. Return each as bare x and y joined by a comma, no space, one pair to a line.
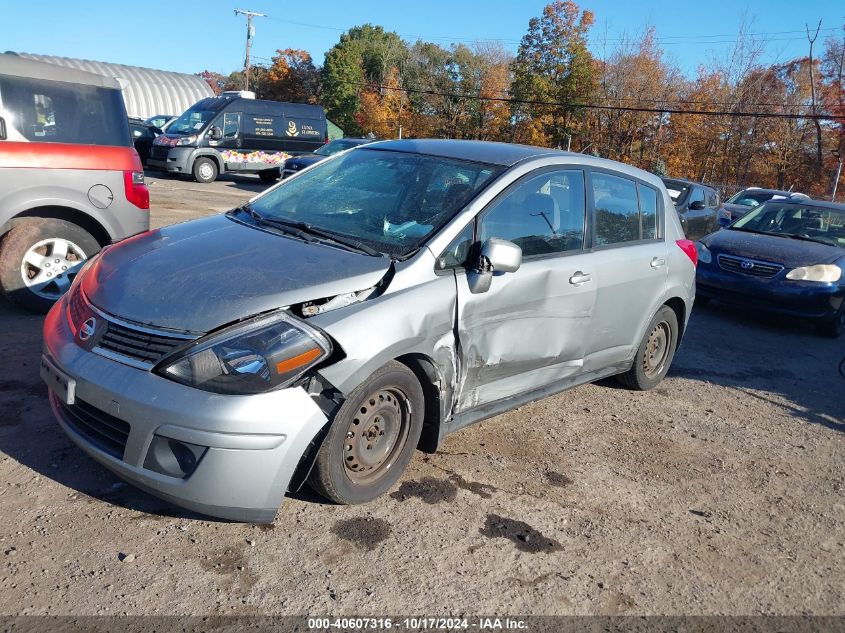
529,328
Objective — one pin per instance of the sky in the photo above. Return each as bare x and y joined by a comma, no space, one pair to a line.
193,35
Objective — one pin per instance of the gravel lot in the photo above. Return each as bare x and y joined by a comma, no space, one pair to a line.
720,492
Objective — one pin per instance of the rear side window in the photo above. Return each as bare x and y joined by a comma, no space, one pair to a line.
59,112
625,211
543,215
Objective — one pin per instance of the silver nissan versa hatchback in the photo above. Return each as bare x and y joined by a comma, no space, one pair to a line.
366,307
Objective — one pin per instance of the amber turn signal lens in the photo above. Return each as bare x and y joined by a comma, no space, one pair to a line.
304,358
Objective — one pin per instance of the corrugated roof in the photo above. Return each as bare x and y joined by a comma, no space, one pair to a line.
146,91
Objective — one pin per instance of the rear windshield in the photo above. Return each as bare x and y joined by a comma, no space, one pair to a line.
392,201
58,112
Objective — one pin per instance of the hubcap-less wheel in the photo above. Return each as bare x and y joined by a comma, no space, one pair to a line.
376,435
657,349
49,266
206,171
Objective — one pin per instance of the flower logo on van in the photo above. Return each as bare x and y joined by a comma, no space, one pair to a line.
292,131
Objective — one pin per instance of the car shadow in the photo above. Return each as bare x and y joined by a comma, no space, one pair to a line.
768,359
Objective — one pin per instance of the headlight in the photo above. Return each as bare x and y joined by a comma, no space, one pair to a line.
704,255
819,272
263,354
187,140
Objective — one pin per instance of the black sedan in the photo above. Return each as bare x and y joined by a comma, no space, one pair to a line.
300,162
783,256
143,136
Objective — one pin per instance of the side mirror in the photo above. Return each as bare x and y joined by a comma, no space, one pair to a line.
215,133
496,256
698,205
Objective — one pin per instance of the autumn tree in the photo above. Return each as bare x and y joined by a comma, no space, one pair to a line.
361,59
215,81
553,65
293,77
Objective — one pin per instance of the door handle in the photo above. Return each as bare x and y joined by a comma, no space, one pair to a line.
579,278
658,262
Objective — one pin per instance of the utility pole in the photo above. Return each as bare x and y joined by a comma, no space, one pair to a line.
250,31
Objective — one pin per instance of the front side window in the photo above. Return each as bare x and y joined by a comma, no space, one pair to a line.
542,215
231,124
391,201
697,195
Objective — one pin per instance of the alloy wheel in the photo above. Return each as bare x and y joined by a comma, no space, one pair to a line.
49,266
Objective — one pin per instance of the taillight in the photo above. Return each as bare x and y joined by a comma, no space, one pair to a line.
136,191
688,246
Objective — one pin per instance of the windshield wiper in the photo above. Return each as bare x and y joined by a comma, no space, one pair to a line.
328,236
284,227
789,236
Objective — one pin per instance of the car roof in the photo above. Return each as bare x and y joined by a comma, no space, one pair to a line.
686,182
807,202
16,66
505,154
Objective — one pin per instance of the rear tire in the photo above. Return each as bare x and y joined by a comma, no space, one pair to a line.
372,438
269,175
39,259
655,353
205,170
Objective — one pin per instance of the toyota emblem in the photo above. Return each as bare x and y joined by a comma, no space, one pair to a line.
747,265
88,328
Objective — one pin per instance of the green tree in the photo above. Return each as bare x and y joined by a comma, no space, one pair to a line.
363,57
553,65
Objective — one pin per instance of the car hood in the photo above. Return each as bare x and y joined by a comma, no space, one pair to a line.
203,274
789,252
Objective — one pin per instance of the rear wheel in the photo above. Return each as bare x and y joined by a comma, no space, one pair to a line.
372,437
655,353
39,259
205,170
269,175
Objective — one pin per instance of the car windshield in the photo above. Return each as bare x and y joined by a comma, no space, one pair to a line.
807,222
191,122
753,198
390,201
335,147
677,190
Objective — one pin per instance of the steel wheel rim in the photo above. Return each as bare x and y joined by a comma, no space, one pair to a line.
376,435
657,349
206,171
49,266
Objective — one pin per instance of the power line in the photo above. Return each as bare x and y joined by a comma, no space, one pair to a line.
596,106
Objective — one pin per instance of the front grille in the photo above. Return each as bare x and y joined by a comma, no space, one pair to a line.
140,345
750,267
105,431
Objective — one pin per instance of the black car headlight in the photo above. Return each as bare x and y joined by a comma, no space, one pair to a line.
259,355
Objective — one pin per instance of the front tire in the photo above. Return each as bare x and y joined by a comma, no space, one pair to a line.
39,259
205,170
836,326
655,353
372,438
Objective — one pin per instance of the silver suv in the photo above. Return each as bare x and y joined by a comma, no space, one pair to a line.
367,306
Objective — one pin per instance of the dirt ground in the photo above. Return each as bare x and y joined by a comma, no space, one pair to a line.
720,492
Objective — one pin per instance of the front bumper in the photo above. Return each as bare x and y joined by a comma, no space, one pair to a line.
802,299
176,161
253,444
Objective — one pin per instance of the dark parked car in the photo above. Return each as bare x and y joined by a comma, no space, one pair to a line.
784,256
143,136
298,163
161,121
697,206
741,203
